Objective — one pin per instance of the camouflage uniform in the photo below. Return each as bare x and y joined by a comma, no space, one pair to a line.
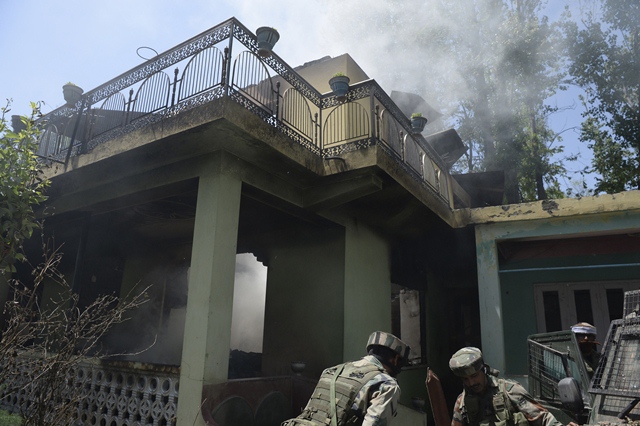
374,404
519,401
591,361
359,393
378,398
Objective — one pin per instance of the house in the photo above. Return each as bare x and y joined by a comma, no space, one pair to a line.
547,265
164,174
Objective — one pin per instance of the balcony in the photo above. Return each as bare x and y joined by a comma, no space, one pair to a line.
223,65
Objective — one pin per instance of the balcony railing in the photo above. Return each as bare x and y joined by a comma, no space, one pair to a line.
223,62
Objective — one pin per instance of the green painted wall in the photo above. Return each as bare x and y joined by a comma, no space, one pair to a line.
367,293
412,384
207,335
518,301
506,299
304,303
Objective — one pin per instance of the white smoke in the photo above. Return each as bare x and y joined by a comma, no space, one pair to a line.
247,323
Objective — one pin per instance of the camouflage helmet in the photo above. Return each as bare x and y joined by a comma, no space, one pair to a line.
466,361
381,338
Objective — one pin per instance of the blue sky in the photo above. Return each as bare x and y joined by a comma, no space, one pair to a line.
46,44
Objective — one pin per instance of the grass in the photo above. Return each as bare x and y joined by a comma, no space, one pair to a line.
8,419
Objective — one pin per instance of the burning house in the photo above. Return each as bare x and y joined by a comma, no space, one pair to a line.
162,176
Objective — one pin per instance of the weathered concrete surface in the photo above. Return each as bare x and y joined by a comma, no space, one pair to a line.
569,207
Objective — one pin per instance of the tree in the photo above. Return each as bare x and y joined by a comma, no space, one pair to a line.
489,65
42,341
22,186
605,63
509,108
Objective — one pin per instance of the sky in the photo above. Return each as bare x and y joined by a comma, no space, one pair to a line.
46,44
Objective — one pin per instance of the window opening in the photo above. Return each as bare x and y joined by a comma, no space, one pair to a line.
584,311
247,320
552,310
615,302
561,305
407,307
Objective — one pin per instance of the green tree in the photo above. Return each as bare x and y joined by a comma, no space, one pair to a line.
488,66
605,55
529,72
42,342
509,62
22,185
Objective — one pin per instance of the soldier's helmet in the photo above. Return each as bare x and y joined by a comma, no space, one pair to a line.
466,361
381,338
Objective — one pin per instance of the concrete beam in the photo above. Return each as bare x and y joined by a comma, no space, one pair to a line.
337,193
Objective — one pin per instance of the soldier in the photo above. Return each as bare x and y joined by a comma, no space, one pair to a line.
363,392
489,401
586,336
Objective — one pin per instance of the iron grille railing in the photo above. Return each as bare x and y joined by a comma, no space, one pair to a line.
618,373
546,368
552,357
616,381
223,62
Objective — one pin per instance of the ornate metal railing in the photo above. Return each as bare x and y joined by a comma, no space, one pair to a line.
223,62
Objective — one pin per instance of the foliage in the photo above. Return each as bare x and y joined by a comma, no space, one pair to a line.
502,116
614,160
605,54
416,114
44,341
22,186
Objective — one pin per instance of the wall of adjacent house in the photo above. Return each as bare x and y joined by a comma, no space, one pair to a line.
518,300
322,70
507,307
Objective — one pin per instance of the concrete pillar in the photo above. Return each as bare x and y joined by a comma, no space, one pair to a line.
490,298
367,287
207,334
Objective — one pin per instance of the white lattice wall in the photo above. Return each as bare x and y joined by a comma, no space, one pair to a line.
118,397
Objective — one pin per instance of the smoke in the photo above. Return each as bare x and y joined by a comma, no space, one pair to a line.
425,47
155,330
250,289
442,49
401,44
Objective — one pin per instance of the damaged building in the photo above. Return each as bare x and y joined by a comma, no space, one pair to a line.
217,148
